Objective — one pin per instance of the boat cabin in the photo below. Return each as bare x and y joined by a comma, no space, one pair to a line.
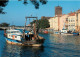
14,34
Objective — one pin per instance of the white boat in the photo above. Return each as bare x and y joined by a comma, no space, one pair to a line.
28,39
63,31
13,36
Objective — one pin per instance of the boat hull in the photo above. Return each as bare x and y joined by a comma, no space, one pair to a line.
11,41
45,32
75,33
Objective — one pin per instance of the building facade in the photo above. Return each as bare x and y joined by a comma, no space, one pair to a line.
63,22
54,23
72,22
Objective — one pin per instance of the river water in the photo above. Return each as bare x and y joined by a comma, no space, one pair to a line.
54,46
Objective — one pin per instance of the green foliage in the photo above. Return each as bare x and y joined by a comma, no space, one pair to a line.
42,23
4,24
3,3
33,22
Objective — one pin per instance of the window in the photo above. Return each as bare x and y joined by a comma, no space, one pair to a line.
69,25
66,19
15,36
69,20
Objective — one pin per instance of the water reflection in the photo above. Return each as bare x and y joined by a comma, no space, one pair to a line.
31,51
2,42
11,51
65,39
22,51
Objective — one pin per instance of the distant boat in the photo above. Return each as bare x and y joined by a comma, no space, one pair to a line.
45,32
56,32
75,33
63,31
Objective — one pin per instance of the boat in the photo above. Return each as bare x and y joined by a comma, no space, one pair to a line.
63,31
45,32
56,32
75,33
14,36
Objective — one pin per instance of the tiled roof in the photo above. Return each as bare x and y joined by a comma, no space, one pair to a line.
72,14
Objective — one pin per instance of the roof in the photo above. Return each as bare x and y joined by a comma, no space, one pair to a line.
58,7
72,14
28,25
78,11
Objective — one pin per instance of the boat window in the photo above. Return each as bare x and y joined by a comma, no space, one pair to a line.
15,36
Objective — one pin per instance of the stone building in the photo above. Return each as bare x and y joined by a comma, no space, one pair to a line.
58,11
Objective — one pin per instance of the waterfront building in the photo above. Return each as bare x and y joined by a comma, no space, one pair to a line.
63,22
72,21
54,23
58,23
78,20
68,21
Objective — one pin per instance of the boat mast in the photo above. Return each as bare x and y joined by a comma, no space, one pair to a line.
24,29
34,25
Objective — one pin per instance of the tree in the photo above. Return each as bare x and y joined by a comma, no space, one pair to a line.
41,23
4,3
4,24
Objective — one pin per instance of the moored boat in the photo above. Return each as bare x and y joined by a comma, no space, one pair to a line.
13,36
45,32
76,33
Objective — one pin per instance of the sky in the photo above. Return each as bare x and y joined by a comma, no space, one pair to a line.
17,11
